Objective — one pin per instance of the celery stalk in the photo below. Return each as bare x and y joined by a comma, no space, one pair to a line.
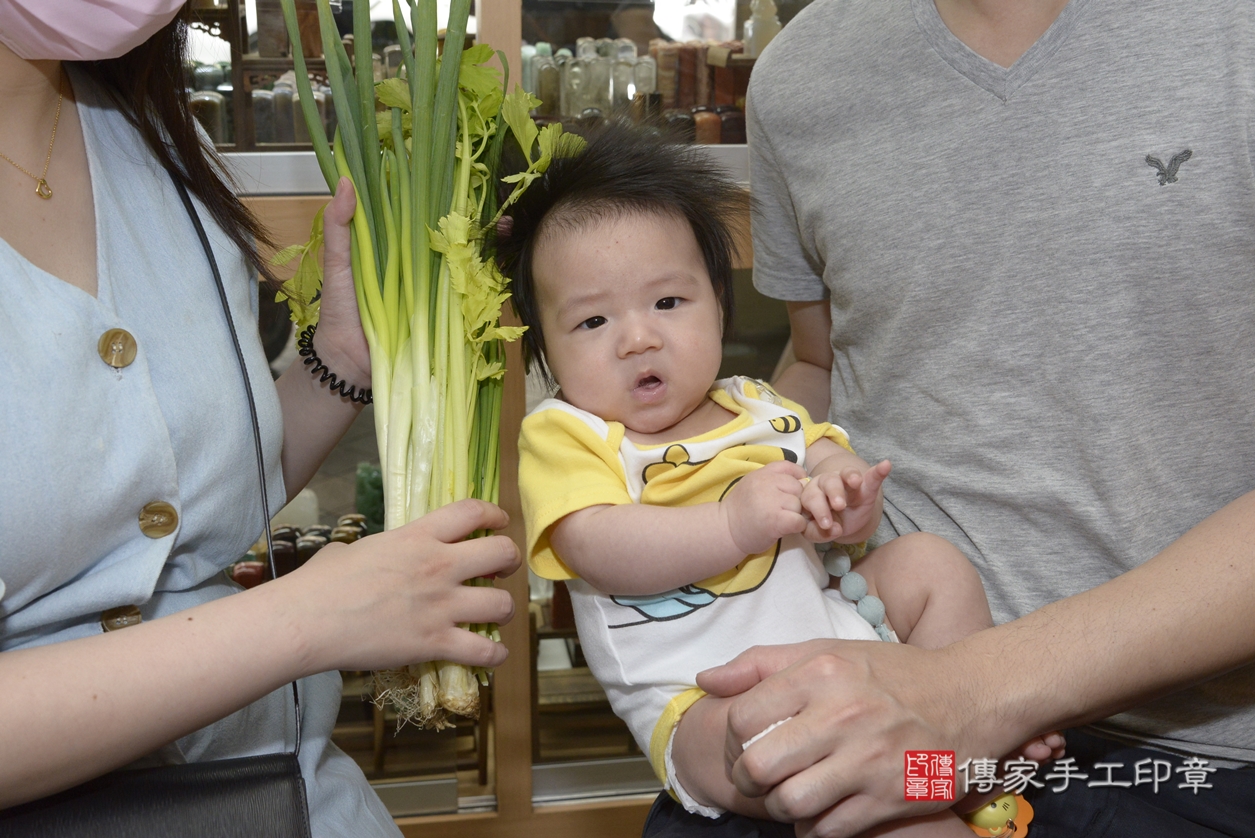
424,165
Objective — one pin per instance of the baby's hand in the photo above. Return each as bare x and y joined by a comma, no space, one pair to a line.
842,502
1043,748
1039,749
764,505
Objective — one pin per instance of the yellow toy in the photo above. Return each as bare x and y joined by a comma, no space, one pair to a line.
1004,816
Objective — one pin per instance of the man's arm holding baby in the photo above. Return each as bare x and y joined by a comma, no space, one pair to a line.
640,549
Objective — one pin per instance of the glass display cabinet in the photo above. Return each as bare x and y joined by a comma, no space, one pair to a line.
668,61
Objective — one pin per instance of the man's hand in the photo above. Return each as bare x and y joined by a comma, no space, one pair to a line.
854,708
765,505
843,503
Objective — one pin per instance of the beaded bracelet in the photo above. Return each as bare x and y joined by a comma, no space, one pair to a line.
854,588
305,348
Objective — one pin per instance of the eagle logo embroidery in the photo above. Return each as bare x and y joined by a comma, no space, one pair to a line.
1168,174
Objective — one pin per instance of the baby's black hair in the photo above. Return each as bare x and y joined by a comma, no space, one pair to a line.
622,171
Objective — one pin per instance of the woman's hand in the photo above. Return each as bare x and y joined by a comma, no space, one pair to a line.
314,417
340,341
386,601
397,598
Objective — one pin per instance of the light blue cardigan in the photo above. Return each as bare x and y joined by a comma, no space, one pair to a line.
86,446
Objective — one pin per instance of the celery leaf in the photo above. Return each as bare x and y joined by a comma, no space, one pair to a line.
516,111
393,93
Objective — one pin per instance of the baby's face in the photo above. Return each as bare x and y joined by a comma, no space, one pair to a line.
632,326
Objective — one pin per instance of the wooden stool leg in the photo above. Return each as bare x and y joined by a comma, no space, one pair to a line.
377,717
481,733
534,617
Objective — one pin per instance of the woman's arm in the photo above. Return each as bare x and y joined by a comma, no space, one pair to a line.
314,419
71,711
807,380
836,766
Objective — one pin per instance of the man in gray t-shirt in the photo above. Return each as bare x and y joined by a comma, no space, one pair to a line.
1033,288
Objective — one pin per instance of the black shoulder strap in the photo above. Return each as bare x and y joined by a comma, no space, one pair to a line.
252,405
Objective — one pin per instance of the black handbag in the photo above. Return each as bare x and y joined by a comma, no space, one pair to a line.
246,797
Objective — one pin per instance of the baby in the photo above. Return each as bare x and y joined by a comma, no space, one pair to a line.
683,511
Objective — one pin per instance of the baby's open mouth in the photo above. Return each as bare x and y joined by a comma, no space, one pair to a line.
649,388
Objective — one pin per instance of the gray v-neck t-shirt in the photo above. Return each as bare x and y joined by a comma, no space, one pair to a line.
1040,280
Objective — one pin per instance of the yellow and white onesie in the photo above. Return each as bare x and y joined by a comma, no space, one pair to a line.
647,650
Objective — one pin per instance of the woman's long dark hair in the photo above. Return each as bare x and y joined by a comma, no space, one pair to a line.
148,85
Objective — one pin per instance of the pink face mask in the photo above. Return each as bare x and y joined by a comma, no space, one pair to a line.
81,30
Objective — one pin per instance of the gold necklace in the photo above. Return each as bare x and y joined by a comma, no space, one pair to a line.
41,180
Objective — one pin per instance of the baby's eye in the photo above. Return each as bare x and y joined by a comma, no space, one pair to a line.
667,303
593,322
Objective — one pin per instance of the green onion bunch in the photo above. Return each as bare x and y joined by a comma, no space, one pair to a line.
423,153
